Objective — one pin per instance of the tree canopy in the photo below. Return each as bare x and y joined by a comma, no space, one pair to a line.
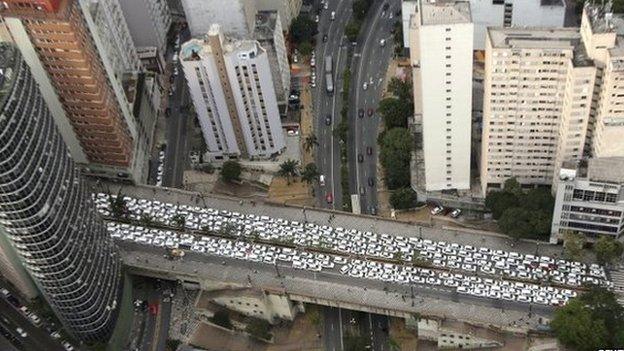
395,112
303,29
395,154
591,321
401,89
289,169
573,244
608,250
231,171
403,198
310,173
520,214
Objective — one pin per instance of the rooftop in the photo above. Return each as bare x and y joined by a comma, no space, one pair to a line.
602,20
265,25
434,12
541,38
608,170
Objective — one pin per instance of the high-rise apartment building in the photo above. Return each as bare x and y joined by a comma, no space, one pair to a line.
590,199
12,269
500,13
148,22
269,34
46,210
288,9
602,35
233,93
552,96
537,98
237,19
81,53
441,56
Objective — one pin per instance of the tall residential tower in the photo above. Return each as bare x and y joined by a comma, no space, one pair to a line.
441,56
47,213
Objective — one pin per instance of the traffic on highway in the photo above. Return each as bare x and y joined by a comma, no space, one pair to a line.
409,260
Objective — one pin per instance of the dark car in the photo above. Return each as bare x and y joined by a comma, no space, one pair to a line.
324,38
370,112
369,150
360,158
361,113
371,181
328,120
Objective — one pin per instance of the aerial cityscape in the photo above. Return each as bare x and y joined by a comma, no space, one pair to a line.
339,175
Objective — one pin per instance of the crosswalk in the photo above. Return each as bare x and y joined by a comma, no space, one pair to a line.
617,277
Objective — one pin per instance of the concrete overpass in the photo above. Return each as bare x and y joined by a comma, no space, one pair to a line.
208,272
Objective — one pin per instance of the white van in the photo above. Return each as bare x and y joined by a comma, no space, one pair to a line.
322,180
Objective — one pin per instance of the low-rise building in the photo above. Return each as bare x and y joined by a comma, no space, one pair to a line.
590,199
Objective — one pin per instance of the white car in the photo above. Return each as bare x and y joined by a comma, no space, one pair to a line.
365,86
437,210
21,332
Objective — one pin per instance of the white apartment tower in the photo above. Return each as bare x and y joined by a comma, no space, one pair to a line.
501,13
232,90
148,22
441,34
604,42
537,98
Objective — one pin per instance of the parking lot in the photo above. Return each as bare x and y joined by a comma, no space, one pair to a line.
481,272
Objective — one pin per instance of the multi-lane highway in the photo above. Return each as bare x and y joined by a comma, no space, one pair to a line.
370,63
34,339
176,153
329,105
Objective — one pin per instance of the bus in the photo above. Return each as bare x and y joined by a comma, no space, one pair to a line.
329,83
328,65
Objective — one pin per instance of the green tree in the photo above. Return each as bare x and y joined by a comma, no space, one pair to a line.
539,199
231,171
310,173
259,328
306,48
146,220
574,326
206,168
608,250
591,321
403,198
360,8
352,30
395,155
303,29
395,112
516,222
222,318
178,221
511,185
288,169
573,245
118,206
499,201
173,344
401,89
310,142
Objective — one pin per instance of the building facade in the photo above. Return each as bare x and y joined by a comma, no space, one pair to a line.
590,200
501,13
233,93
148,21
270,35
441,56
47,213
537,97
12,270
79,52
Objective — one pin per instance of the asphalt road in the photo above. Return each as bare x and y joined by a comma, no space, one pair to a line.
324,104
176,153
369,64
332,334
37,339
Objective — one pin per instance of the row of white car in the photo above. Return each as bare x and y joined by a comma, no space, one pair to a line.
314,261
452,256
161,167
